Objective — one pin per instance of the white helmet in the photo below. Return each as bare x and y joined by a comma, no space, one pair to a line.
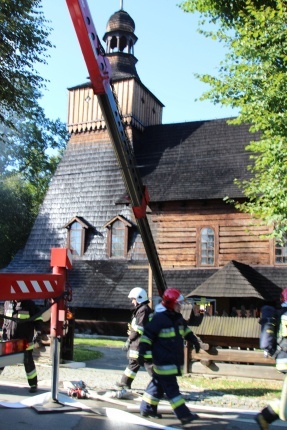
139,294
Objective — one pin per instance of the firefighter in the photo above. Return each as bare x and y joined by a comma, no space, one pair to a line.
163,340
22,310
278,408
140,317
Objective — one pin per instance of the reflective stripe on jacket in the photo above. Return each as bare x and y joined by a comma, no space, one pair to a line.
21,310
163,338
140,318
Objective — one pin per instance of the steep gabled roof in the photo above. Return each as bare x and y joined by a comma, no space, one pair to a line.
193,160
86,185
238,280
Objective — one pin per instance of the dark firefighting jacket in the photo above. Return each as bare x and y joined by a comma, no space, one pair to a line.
139,319
273,337
163,342
19,329
281,352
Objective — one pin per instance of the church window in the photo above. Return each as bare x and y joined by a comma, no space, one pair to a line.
76,235
118,237
281,252
207,247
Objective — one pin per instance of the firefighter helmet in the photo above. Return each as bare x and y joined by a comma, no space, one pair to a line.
139,294
284,295
170,297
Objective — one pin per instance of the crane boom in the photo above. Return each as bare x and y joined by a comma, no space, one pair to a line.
99,70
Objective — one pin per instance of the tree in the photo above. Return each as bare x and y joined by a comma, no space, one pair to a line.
26,167
17,216
253,78
23,44
30,143
33,149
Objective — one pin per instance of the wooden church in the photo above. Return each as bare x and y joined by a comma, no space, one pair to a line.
204,244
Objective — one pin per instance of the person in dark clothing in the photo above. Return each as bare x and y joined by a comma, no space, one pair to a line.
12,329
140,318
273,341
163,341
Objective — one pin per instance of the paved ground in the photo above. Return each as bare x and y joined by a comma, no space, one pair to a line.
102,374
216,411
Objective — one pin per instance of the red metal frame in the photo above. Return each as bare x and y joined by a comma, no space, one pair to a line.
26,286
98,66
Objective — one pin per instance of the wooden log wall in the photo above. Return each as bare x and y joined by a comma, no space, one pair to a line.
237,236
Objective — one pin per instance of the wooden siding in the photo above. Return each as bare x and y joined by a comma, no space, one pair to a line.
228,327
237,237
138,106
146,108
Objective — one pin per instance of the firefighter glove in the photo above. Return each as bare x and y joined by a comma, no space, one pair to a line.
126,345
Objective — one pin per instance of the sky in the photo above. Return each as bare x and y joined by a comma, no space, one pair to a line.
169,51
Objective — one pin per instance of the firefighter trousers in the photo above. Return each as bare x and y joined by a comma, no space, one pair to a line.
30,368
155,390
277,409
131,372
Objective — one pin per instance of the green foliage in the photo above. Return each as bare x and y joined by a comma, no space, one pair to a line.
33,148
17,214
24,41
227,12
253,78
30,144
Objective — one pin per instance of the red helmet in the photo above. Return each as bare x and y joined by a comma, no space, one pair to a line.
170,297
284,295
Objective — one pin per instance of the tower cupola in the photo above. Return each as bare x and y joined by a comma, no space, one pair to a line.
120,40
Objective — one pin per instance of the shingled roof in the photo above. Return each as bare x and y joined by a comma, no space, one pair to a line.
238,280
87,183
185,161
178,161
193,160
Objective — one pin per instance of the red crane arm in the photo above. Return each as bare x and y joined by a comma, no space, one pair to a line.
99,70
98,65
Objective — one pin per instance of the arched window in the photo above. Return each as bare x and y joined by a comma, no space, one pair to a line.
207,247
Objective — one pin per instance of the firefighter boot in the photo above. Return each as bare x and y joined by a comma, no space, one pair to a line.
266,417
261,421
33,389
189,419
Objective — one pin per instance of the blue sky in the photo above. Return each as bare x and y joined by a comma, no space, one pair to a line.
169,51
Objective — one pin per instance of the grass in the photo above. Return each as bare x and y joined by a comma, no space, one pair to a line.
261,389
86,349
